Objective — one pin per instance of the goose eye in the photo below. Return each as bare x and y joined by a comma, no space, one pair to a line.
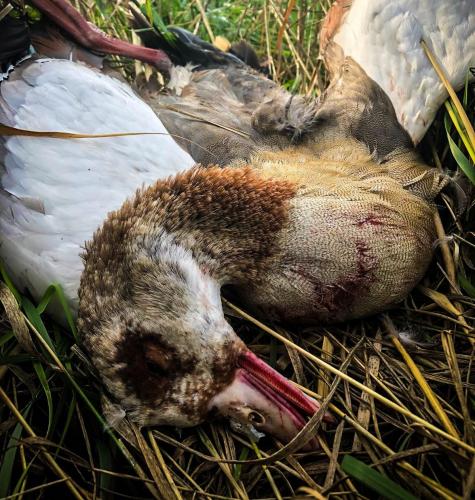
155,368
157,360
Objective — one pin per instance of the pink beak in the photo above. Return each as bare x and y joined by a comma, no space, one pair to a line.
88,35
262,397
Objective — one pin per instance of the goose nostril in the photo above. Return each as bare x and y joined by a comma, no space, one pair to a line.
256,418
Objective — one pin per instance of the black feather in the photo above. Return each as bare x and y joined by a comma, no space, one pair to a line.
14,40
181,46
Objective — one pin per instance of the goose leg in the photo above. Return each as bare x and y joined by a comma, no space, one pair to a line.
88,35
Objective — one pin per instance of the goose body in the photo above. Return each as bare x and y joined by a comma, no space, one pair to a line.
56,193
356,240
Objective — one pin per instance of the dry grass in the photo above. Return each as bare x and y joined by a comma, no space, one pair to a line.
404,408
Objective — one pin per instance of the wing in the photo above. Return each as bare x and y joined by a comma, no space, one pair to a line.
55,193
229,113
355,106
384,39
220,109
206,116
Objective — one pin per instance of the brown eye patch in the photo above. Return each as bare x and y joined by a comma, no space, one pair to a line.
158,360
150,367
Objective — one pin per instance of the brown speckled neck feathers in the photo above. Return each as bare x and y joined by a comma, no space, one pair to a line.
228,218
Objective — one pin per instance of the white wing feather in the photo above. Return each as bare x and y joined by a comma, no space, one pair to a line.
56,193
384,38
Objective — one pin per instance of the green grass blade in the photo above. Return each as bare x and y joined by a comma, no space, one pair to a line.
9,283
148,8
455,119
23,476
237,469
465,90
462,161
55,291
40,372
6,337
17,359
467,286
35,318
106,481
67,423
8,459
157,22
374,480
46,299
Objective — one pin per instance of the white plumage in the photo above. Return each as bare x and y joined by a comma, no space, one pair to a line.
56,193
384,38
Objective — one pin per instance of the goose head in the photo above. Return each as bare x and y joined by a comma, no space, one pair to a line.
150,310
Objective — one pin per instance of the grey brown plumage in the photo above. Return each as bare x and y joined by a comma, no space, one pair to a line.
230,113
298,238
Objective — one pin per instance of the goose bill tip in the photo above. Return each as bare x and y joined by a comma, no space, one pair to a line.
259,399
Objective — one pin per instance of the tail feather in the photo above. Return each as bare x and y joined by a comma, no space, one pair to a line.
182,46
248,55
14,40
